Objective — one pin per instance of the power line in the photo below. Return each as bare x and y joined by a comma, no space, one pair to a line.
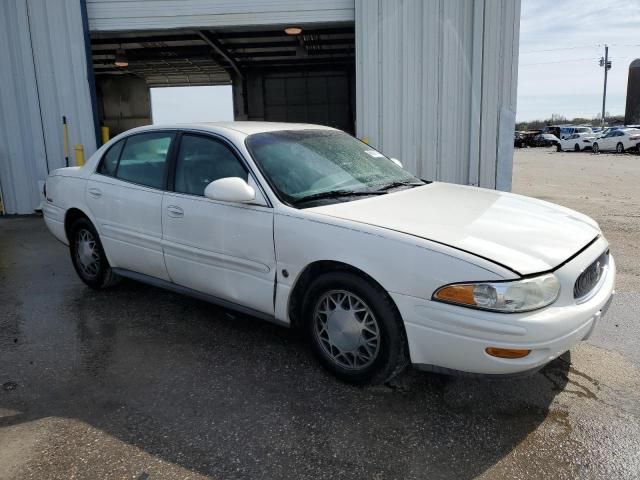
561,48
591,59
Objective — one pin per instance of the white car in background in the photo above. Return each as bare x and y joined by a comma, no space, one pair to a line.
576,142
307,226
566,132
618,140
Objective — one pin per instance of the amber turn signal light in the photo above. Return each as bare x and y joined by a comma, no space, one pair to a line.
507,352
462,294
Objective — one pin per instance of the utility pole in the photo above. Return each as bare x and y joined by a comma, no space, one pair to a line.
606,63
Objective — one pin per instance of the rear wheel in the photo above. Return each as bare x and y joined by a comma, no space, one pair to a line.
620,148
354,328
88,256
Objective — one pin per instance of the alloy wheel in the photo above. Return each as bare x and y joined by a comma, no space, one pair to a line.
87,253
346,329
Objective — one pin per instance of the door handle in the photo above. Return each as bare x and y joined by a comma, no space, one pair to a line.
95,192
175,211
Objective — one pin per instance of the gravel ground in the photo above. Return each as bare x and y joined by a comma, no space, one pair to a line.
604,186
138,383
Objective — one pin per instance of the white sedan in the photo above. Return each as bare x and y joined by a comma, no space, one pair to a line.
618,140
306,226
576,142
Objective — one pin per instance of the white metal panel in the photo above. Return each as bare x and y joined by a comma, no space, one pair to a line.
61,68
153,14
44,45
436,85
22,153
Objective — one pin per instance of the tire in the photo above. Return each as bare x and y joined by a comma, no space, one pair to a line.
619,148
87,256
596,148
576,148
339,341
558,148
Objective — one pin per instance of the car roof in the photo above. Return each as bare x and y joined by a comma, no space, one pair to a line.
246,128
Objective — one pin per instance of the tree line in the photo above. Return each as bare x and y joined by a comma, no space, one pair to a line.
562,120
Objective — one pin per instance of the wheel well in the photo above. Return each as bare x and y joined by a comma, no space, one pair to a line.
311,272
70,217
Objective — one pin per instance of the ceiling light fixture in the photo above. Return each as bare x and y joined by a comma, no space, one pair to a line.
293,30
121,58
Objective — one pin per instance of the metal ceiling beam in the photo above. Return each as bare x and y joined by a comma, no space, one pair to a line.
154,52
219,48
144,39
279,33
283,44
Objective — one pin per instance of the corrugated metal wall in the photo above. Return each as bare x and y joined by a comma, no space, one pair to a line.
43,44
436,80
436,85
157,14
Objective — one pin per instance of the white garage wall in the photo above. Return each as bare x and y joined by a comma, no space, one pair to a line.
436,85
156,14
42,43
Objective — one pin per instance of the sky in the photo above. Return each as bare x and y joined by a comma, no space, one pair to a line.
191,104
561,42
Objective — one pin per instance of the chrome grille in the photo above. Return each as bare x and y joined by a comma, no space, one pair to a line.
591,276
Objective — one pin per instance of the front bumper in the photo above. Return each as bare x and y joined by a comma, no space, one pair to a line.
445,337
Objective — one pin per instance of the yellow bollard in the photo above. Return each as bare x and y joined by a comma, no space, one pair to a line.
105,134
79,154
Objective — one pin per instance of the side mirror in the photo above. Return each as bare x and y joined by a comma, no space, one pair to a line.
397,162
230,189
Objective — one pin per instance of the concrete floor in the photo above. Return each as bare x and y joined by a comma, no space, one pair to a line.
135,382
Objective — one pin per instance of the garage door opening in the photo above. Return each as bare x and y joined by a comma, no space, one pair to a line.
191,104
274,76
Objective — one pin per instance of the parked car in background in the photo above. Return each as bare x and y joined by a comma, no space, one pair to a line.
566,132
525,138
618,140
306,226
545,140
552,129
576,142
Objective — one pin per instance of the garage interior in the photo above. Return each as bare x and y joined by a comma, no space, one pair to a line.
275,76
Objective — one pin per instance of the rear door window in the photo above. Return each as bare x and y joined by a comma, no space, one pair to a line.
144,157
109,162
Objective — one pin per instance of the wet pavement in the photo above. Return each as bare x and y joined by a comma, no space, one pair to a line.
135,382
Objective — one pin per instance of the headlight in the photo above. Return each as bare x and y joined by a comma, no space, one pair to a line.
508,297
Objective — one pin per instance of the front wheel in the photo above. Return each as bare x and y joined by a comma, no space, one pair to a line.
558,148
355,329
576,148
596,148
620,148
88,256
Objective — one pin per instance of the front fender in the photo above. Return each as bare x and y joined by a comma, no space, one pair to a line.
400,263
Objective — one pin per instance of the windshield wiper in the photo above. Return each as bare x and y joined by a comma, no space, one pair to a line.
338,194
391,185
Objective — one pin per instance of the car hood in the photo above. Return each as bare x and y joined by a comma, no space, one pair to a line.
521,233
